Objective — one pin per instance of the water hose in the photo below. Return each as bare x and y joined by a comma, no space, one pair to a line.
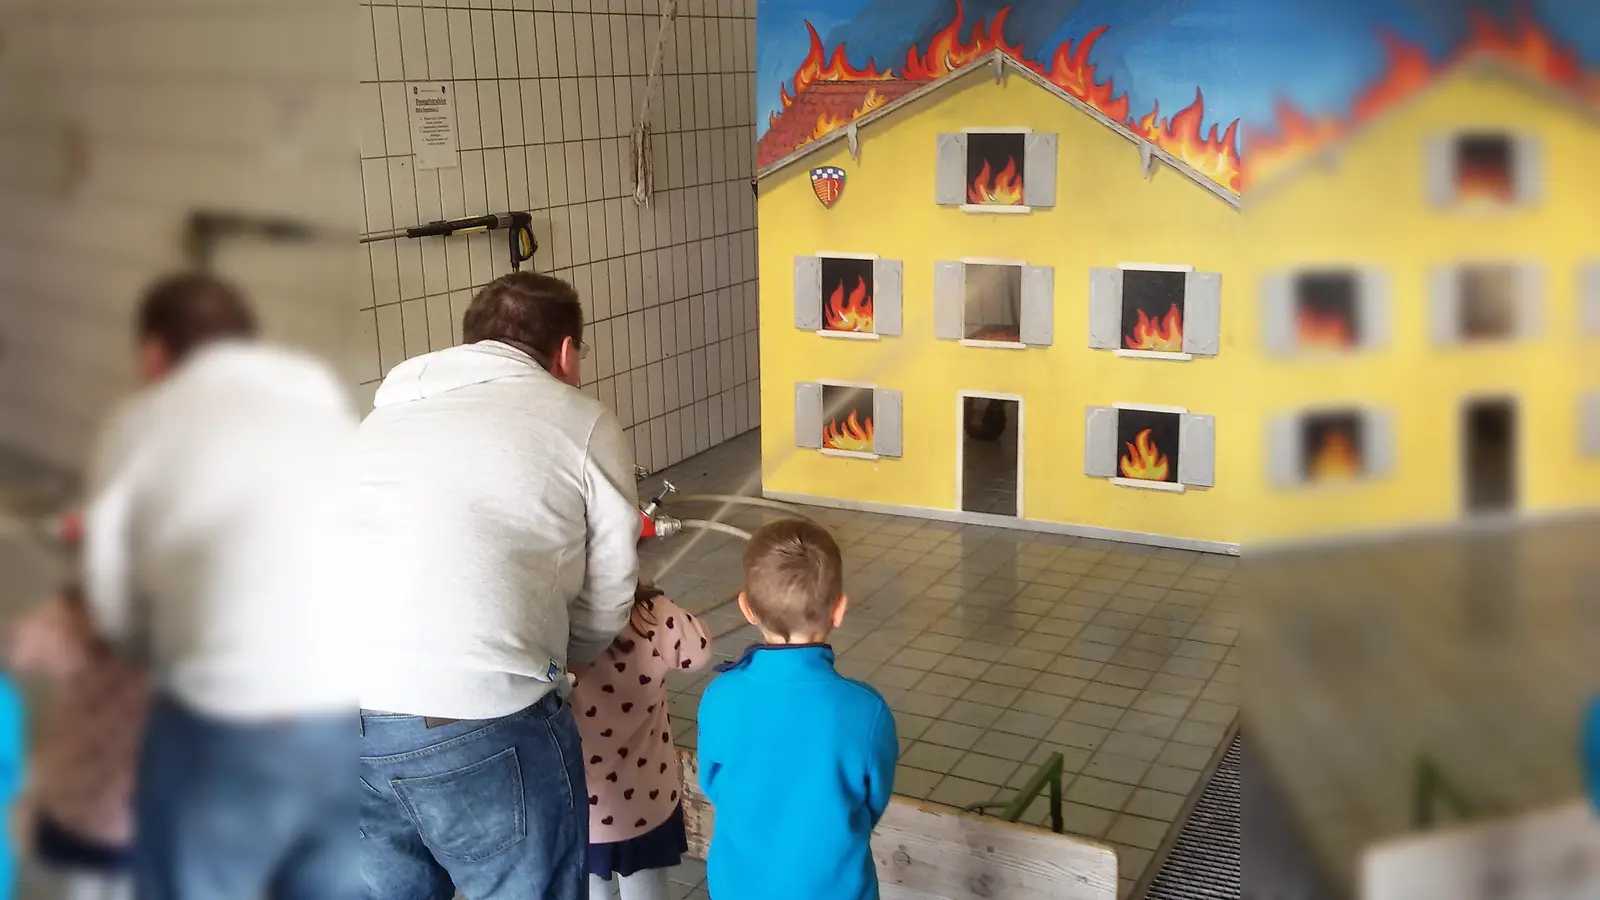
747,501
722,527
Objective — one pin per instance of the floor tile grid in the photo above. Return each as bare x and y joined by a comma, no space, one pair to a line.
994,755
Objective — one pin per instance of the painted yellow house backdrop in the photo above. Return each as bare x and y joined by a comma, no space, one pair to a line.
1401,333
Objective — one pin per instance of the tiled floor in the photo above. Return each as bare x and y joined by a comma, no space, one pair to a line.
996,648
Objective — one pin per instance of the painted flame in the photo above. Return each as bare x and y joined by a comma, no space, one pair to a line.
850,434
828,122
819,66
1336,457
1071,71
946,51
853,313
1322,330
1002,189
1484,184
1165,333
1215,157
1524,46
1143,460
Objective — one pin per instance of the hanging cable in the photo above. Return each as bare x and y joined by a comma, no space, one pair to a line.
643,158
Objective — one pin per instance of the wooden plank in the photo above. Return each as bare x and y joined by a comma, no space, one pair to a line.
927,852
1552,854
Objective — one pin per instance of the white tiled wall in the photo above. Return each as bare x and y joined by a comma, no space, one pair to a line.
546,93
117,119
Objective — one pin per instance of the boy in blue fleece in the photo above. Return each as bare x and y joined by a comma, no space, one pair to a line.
1591,752
798,760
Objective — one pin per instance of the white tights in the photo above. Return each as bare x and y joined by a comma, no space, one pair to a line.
645,884
93,886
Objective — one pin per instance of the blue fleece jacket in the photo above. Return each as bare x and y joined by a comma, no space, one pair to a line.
13,750
799,762
1591,752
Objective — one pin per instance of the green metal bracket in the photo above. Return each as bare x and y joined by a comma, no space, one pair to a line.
1432,787
1048,775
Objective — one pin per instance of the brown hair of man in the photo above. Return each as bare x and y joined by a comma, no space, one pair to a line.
793,582
537,314
181,313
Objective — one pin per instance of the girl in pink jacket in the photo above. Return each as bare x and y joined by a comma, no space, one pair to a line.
636,829
78,802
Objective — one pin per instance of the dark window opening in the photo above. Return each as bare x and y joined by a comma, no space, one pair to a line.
1332,446
1152,310
847,418
1484,168
1147,445
993,310
1326,313
994,169
847,294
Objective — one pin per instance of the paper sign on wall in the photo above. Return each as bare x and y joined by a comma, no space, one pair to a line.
433,126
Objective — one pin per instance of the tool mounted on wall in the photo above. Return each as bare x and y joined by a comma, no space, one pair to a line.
518,226
208,227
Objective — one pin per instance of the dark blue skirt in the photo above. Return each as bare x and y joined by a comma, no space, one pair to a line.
60,848
662,847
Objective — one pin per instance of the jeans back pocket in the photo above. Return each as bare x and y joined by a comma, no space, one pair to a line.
472,812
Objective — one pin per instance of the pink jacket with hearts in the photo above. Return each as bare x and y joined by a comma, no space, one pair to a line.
621,704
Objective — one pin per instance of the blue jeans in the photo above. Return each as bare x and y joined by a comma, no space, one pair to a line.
230,811
496,808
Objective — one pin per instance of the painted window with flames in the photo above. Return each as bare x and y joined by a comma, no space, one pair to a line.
1484,169
996,170
994,303
1482,303
848,419
1165,313
839,294
1330,446
1165,448
1325,310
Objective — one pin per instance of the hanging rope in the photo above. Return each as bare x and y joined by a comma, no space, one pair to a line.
643,159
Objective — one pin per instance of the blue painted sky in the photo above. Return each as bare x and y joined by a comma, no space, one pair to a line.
1242,53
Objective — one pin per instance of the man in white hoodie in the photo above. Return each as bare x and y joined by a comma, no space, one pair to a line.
211,552
500,520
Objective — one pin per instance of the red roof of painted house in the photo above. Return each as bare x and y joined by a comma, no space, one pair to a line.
829,104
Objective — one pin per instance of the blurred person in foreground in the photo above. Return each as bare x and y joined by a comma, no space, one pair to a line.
77,805
499,515
211,552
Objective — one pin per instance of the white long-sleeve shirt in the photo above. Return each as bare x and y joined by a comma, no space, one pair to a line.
212,546
500,524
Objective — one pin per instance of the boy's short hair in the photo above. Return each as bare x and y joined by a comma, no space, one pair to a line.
793,575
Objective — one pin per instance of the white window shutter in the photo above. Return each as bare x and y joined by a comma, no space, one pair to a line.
887,288
807,293
1372,307
951,174
1285,464
1202,313
1100,441
949,298
1277,313
1527,172
1440,162
1589,425
1038,305
1378,447
1105,308
808,414
888,422
1530,301
1039,170
1444,305
1197,450
1589,299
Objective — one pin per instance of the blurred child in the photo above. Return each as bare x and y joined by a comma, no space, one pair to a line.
1591,752
636,829
798,760
13,749
79,798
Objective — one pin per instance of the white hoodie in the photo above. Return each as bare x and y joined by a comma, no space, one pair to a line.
500,524
211,546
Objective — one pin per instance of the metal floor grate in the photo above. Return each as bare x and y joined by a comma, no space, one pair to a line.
1206,860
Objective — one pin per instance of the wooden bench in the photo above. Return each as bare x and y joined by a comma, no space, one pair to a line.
927,852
